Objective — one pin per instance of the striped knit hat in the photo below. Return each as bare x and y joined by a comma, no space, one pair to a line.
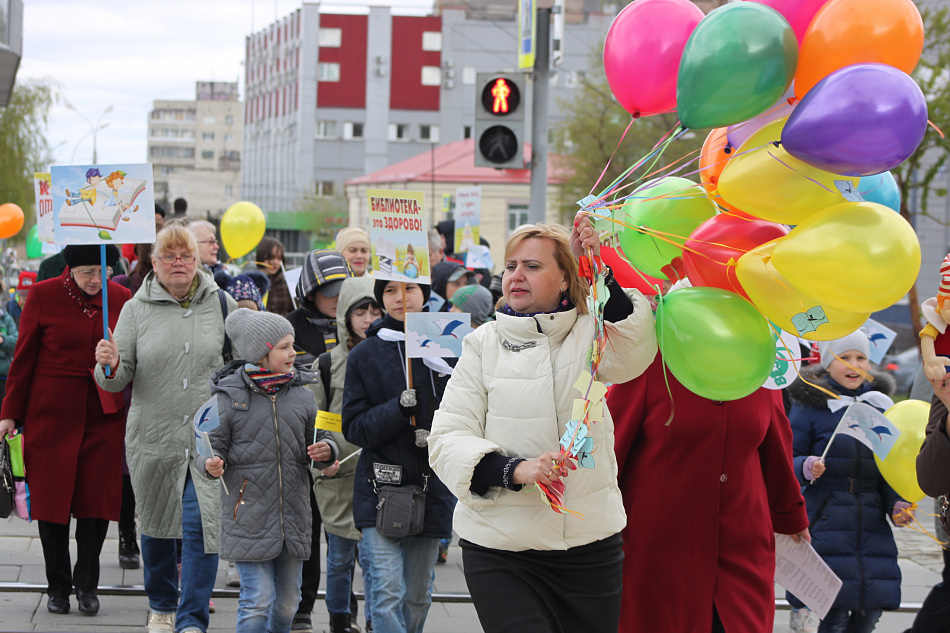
944,288
323,271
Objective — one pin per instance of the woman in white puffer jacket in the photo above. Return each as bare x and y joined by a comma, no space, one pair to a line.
496,434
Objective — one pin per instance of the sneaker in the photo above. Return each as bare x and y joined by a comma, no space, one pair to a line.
233,578
210,609
161,622
443,554
301,623
810,622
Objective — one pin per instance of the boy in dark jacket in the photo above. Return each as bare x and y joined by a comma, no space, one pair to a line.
390,421
262,450
318,291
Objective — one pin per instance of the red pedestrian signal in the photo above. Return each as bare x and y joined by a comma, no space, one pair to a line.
499,120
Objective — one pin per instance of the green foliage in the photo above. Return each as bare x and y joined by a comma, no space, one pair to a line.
916,176
593,127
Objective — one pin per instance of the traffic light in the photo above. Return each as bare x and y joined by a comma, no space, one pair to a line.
500,102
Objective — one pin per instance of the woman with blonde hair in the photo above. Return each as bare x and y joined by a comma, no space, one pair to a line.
496,435
168,342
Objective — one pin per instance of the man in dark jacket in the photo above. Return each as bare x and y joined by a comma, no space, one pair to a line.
447,277
391,422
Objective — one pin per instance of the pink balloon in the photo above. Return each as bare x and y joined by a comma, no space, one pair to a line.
642,53
740,132
798,13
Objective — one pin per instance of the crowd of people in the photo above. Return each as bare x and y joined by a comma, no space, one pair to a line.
408,452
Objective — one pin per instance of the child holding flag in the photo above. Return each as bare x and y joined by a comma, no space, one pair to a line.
846,496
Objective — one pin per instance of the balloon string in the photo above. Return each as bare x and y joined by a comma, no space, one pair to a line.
609,160
655,153
666,379
799,173
917,526
634,167
939,131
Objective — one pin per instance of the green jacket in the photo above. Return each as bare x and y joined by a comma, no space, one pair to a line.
169,354
8,331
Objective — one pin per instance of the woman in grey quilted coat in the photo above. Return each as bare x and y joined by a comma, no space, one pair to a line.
168,342
261,447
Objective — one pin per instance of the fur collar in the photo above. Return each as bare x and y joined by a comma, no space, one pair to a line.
808,396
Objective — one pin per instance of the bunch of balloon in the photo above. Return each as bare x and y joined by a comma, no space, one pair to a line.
242,227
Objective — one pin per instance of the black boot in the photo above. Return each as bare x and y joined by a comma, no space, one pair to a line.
340,623
128,550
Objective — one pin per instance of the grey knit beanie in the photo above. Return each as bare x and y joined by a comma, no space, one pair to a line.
255,334
857,340
476,300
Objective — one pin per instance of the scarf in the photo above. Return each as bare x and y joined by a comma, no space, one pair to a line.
268,381
80,297
185,301
563,306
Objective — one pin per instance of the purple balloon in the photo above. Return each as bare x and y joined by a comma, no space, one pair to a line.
860,120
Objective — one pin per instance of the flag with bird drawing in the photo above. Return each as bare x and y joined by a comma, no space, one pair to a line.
868,426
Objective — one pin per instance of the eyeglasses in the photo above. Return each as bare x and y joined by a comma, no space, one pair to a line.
169,259
207,241
91,273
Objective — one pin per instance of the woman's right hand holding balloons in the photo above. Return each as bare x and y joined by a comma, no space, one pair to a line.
107,352
546,469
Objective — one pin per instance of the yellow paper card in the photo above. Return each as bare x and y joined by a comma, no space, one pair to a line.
583,381
577,411
327,421
596,412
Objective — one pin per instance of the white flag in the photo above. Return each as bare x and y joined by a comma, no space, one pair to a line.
868,426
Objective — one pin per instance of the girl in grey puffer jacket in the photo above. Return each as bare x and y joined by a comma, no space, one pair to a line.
261,450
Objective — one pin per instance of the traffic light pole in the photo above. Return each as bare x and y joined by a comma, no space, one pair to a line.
537,209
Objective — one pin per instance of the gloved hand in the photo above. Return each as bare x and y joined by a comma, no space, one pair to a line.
408,403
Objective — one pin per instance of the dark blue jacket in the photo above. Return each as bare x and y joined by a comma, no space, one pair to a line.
849,506
372,419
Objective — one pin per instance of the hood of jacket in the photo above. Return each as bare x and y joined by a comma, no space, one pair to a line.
809,396
353,290
441,273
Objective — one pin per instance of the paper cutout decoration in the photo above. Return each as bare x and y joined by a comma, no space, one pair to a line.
436,334
103,204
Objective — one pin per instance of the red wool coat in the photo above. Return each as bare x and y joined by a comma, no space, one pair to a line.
74,433
703,497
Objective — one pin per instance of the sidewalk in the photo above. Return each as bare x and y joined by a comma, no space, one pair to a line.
21,563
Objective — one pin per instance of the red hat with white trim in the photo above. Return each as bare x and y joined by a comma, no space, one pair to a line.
944,288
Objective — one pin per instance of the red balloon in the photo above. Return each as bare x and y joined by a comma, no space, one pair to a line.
626,275
711,252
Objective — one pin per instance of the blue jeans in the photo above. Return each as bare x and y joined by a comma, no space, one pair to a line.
198,570
844,621
270,592
341,558
403,571
366,566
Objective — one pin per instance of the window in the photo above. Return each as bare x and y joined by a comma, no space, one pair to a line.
171,152
429,133
431,76
398,132
229,120
330,38
352,130
228,191
574,78
229,138
324,129
323,188
431,41
469,75
517,215
208,120
327,71
207,153
207,136
466,131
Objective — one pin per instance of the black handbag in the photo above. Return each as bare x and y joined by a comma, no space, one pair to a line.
400,511
7,487
944,515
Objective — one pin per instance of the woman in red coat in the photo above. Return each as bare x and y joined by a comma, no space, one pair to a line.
703,494
73,431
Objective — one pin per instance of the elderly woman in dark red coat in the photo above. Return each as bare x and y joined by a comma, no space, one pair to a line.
704,493
73,431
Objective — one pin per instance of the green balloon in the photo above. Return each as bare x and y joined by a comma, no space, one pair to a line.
715,342
737,63
675,216
34,250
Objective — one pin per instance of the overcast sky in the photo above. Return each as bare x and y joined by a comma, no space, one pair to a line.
124,58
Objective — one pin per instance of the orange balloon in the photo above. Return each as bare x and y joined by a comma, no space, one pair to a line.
846,32
11,220
713,159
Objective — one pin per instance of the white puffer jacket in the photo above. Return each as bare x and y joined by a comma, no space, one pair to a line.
517,403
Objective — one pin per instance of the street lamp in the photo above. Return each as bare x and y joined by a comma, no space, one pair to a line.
93,129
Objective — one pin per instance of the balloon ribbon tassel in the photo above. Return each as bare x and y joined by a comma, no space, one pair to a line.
553,496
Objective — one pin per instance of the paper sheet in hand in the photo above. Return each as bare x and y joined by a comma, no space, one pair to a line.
799,569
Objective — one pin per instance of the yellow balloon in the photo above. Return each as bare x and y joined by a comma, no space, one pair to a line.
900,467
789,308
765,181
242,227
854,256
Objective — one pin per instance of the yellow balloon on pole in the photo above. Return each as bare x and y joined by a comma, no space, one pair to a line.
788,307
242,227
900,467
854,256
767,182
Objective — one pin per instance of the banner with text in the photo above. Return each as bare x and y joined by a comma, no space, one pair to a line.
468,214
397,230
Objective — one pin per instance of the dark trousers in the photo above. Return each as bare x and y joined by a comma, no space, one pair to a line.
934,615
90,534
127,513
311,567
557,591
